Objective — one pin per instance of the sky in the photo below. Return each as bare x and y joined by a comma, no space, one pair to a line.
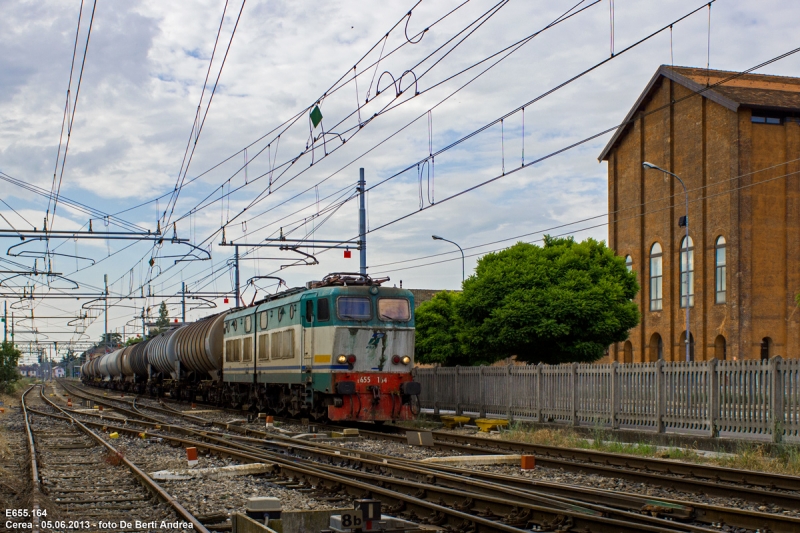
183,120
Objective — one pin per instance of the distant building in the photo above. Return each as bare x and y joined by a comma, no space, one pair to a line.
737,148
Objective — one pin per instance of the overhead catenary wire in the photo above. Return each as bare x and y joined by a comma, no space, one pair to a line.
571,12
286,165
374,229
339,84
795,173
71,120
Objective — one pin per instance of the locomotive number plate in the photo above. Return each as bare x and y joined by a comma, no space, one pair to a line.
369,379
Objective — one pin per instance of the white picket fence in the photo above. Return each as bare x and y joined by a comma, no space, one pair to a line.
757,400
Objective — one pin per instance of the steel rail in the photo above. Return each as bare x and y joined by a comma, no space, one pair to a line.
642,474
501,499
145,479
36,493
481,483
703,513
622,468
310,474
717,473
459,499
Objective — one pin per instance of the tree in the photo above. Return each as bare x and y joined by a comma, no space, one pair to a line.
162,324
9,357
112,340
68,357
437,327
562,302
133,340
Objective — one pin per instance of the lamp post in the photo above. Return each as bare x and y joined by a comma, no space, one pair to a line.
437,238
686,196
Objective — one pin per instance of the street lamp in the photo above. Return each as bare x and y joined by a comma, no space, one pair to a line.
686,195
437,238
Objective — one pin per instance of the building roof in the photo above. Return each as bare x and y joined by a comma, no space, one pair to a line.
727,88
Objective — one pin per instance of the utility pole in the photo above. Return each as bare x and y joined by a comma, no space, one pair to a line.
362,223
236,271
5,321
183,302
144,325
105,280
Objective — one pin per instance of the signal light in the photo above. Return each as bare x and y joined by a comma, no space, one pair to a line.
351,359
396,359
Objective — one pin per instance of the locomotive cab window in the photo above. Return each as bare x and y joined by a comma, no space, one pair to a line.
309,310
323,311
397,309
353,308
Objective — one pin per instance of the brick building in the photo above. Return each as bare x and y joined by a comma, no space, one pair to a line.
737,148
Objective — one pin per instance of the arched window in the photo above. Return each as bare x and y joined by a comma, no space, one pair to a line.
682,351
721,270
629,263
766,348
656,347
656,278
687,272
720,348
627,352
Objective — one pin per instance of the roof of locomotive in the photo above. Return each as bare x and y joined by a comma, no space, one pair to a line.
295,295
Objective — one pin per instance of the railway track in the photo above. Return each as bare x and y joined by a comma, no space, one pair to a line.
477,493
80,482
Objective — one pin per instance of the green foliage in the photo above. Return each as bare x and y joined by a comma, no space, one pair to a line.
437,328
67,357
162,324
9,357
113,339
133,340
562,302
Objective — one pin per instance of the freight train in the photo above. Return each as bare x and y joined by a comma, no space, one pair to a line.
337,349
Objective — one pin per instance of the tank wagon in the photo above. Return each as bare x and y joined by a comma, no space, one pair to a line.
338,349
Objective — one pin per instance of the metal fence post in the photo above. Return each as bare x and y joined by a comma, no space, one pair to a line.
458,390
615,395
538,406
661,396
436,390
574,384
509,395
482,385
776,398
713,397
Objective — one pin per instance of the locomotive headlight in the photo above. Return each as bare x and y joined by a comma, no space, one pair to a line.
406,359
342,359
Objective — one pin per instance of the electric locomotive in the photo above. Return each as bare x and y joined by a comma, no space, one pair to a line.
340,349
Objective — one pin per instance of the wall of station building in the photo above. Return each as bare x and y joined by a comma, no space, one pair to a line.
720,154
